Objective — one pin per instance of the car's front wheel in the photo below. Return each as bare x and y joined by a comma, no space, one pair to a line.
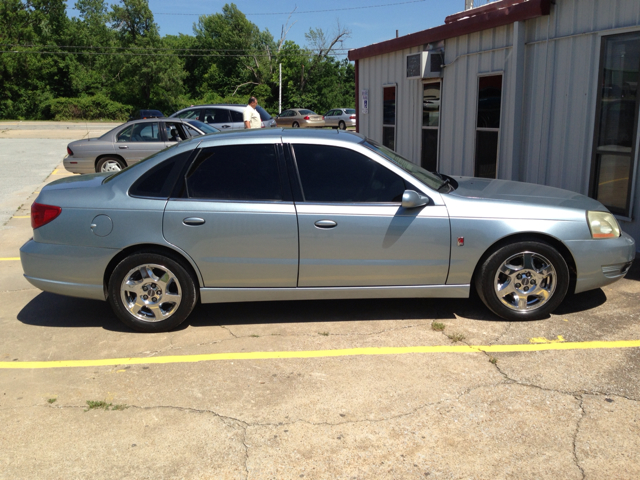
523,281
109,164
151,293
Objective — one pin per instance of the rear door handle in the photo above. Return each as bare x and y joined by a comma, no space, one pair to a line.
225,126
123,147
325,224
193,221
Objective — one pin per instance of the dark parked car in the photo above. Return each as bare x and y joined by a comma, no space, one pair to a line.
146,114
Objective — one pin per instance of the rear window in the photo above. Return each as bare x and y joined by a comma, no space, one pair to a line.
351,111
307,112
263,113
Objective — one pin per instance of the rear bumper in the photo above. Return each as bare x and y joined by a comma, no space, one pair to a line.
78,165
601,262
66,270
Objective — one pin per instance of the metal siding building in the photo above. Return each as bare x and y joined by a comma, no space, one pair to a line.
550,57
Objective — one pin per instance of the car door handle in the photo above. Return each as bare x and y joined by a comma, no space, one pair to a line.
325,224
225,126
193,221
123,147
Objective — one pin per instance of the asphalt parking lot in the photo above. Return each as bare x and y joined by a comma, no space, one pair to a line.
367,389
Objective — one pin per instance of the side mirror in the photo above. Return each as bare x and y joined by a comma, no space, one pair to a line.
412,199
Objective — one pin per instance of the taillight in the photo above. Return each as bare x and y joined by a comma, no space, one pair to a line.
307,117
323,117
69,151
43,214
352,117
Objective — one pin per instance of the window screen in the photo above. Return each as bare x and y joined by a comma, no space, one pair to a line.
236,172
338,175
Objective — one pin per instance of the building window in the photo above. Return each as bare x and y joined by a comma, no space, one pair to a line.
430,125
389,118
616,123
488,125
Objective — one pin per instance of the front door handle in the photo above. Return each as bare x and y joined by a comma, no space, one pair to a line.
123,147
193,221
225,126
325,224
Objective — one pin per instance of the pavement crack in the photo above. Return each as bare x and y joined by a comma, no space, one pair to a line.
583,413
229,330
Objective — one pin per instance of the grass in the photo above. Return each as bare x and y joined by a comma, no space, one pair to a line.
456,337
52,400
102,405
493,360
255,336
438,327
325,334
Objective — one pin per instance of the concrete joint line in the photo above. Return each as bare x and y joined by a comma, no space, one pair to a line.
583,413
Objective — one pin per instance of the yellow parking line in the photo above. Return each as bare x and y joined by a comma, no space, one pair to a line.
110,362
21,216
9,259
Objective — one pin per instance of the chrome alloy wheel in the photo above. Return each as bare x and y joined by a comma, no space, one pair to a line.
151,292
525,281
111,166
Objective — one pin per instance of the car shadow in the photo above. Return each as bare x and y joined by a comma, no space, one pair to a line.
51,310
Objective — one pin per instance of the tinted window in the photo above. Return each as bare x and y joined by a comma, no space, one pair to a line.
216,115
306,112
263,114
334,174
351,111
236,116
237,172
158,181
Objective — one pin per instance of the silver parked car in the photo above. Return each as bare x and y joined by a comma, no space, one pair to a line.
296,215
129,143
340,118
224,117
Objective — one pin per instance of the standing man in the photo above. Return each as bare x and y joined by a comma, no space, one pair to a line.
250,115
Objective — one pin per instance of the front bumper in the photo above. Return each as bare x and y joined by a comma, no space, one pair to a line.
66,270
601,262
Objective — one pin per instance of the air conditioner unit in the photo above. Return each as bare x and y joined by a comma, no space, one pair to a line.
424,64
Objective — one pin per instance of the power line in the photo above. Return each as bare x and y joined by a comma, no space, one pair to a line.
305,11
96,47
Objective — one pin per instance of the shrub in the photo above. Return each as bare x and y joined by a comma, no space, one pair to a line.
97,107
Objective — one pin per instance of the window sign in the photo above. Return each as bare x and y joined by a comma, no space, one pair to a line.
365,102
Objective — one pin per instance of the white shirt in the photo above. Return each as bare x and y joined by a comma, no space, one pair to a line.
252,116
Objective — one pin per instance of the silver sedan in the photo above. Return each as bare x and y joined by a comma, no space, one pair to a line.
129,143
340,118
285,214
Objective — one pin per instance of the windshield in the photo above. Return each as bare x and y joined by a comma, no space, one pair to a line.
203,126
425,176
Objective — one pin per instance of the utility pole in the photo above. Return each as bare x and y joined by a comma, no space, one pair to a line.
280,95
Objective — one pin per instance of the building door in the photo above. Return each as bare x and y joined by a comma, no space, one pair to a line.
615,137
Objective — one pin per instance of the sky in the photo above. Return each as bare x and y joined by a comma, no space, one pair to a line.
370,21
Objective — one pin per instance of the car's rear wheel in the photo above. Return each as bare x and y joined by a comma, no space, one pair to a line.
523,281
342,125
295,125
151,293
109,164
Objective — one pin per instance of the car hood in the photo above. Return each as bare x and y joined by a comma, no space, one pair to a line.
529,193
78,181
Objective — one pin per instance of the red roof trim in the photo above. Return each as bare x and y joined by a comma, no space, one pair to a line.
500,14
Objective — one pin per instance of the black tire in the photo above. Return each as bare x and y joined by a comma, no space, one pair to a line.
110,164
342,125
169,287
295,125
523,281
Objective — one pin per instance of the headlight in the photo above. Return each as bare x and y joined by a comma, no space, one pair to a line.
603,225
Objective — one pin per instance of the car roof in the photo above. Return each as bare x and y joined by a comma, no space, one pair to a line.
287,135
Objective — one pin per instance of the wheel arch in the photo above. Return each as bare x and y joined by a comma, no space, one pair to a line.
175,255
531,236
112,155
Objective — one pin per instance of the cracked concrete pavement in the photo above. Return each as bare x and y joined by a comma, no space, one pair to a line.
547,414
